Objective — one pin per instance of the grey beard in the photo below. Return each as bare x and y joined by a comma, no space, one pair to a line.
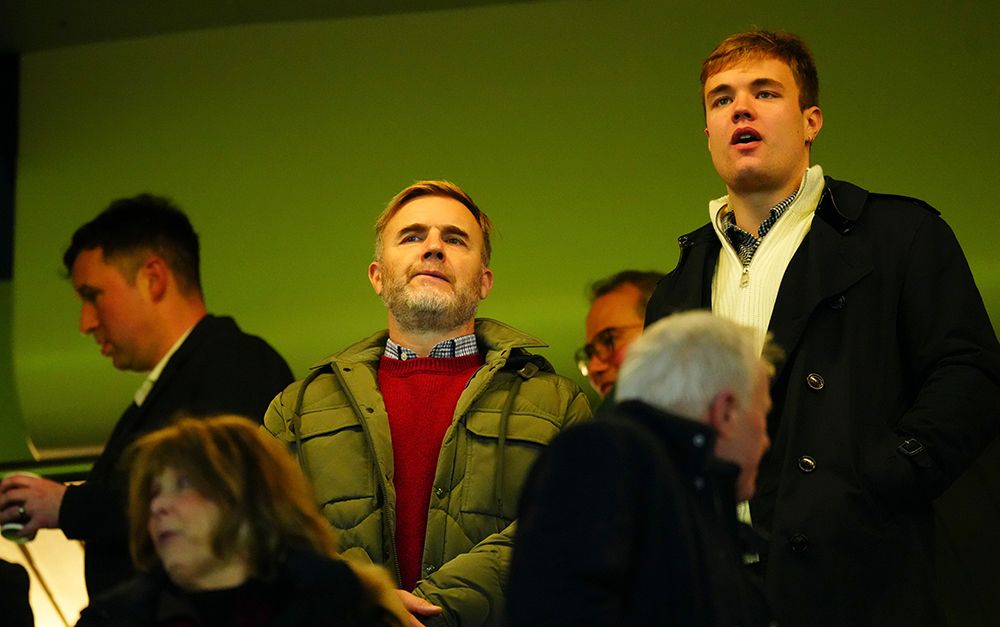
429,312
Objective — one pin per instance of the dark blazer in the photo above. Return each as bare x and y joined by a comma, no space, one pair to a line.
630,520
218,369
14,605
890,389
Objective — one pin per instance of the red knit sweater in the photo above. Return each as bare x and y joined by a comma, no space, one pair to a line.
420,397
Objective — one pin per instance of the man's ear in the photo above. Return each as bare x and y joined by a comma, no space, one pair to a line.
812,118
721,413
155,277
485,283
375,277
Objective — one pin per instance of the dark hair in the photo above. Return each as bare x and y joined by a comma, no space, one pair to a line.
756,44
130,229
644,280
265,502
446,189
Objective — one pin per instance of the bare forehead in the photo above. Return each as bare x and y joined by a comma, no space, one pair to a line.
618,307
752,69
434,212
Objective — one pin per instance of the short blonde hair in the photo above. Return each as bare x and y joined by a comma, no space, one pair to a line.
447,189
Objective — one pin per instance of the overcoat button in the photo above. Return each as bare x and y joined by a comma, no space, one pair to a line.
428,569
838,302
807,464
815,381
799,543
439,491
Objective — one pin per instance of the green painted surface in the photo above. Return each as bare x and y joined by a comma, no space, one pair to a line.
13,436
575,125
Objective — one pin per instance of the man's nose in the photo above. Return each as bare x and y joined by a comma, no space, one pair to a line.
596,364
88,318
433,247
743,109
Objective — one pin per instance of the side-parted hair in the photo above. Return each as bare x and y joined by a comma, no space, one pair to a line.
132,228
265,504
644,280
447,189
758,44
680,363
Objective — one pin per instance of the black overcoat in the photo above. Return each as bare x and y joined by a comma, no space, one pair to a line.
627,520
890,388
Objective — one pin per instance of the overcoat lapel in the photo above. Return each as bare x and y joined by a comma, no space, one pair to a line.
177,360
704,247
828,261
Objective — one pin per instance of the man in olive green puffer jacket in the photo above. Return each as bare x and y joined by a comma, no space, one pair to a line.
418,438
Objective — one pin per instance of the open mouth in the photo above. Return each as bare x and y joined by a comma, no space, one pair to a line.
745,136
165,536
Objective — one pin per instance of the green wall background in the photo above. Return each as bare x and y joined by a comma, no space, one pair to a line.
576,125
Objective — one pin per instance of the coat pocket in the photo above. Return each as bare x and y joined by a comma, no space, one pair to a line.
526,436
339,463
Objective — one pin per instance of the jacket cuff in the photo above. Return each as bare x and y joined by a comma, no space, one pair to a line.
73,514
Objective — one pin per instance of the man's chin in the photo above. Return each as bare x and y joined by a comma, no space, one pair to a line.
432,317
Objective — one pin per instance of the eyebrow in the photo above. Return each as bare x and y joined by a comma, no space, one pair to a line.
754,84
449,229
87,292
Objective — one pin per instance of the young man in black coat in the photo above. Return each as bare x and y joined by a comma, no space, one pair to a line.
892,383
631,519
136,270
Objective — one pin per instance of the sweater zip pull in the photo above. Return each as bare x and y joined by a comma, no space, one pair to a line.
745,277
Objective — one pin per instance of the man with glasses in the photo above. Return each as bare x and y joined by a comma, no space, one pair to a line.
617,308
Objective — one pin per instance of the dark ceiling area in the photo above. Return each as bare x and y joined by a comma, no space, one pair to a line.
31,25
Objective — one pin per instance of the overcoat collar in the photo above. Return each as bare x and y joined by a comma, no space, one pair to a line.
829,260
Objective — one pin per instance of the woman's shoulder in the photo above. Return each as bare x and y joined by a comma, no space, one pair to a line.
126,605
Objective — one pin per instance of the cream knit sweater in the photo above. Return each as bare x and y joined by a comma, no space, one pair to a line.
747,295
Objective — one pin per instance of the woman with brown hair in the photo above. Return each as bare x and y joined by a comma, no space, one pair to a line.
224,529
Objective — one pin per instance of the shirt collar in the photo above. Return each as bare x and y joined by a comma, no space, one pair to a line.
461,346
745,243
154,374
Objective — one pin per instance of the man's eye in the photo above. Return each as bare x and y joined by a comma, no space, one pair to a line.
721,101
767,94
411,238
458,241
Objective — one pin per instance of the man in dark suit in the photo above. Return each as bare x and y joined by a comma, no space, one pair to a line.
135,268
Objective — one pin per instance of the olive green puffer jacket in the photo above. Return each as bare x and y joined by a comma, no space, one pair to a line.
512,407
